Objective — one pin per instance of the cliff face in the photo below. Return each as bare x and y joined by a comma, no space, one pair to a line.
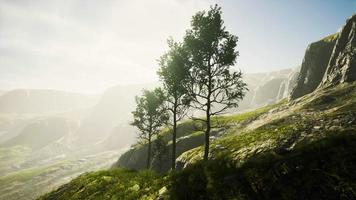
267,88
342,64
314,66
329,61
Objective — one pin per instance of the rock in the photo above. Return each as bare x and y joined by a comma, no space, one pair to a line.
313,67
334,128
336,121
342,64
316,127
162,193
136,188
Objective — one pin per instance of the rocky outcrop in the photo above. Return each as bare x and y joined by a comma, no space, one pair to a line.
329,61
342,64
314,65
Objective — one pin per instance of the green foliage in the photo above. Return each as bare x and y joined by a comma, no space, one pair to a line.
212,50
174,70
286,157
190,135
160,153
150,115
212,86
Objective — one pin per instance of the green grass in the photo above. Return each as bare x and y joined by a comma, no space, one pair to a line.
322,169
286,157
331,37
190,135
247,116
110,184
28,174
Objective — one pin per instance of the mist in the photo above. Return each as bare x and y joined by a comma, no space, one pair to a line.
72,72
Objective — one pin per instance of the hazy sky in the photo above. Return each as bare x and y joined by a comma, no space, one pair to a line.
90,45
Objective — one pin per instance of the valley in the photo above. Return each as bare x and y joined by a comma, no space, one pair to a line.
220,110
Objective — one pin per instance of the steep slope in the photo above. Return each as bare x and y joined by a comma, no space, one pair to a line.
329,61
301,149
189,136
304,149
314,65
342,64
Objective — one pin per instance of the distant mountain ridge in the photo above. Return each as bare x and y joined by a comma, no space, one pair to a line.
37,101
328,63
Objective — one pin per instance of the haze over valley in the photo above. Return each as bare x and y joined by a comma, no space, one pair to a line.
177,99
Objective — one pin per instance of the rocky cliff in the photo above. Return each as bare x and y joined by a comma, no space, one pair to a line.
329,61
267,88
342,63
313,67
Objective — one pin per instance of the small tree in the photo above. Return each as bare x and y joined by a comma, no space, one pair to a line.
213,87
149,116
173,73
160,152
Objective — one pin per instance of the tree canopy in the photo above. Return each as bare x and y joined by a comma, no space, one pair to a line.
213,86
150,115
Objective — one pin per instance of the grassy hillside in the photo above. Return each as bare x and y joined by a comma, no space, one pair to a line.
304,149
21,178
189,136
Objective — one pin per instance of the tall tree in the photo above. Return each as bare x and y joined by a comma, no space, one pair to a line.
149,116
173,73
213,86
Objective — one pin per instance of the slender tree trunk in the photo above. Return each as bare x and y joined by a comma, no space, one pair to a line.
149,152
208,107
174,136
207,133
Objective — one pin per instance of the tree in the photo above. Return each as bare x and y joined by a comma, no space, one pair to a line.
160,152
213,87
149,116
173,73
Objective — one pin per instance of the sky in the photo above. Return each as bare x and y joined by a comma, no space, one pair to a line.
89,46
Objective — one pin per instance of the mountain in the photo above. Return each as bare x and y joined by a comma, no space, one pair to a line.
267,88
252,153
113,110
314,65
299,148
329,61
43,132
282,151
342,64
59,141
25,101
